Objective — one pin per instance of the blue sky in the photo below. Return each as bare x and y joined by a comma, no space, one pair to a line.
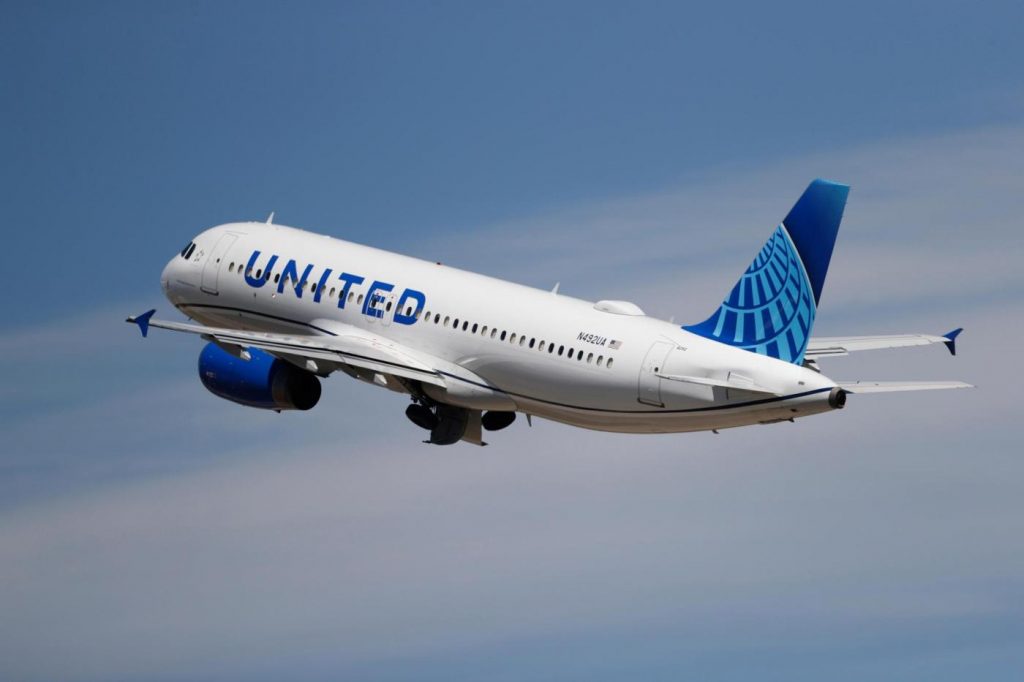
151,531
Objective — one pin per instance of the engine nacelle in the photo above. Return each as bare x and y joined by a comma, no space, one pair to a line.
262,381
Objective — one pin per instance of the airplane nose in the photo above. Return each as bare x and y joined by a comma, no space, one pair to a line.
167,274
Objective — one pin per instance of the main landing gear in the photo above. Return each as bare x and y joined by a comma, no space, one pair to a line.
449,424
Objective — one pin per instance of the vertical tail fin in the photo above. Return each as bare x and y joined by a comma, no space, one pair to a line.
771,309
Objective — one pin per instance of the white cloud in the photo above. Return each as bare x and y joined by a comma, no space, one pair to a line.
926,217
346,541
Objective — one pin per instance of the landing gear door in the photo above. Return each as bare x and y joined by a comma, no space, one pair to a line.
212,266
649,384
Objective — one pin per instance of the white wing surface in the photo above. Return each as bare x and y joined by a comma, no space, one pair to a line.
319,354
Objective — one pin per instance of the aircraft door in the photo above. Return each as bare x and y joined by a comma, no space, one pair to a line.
381,308
387,306
649,384
211,268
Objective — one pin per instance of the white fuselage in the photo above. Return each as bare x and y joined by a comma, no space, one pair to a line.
601,366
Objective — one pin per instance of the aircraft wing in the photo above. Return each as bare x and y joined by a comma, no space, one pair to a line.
835,346
318,354
893,386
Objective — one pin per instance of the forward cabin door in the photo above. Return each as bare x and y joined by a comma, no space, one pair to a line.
212,267
649,385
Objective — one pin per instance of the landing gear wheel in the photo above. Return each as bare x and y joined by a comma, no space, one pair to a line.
451,425
496,421
422,416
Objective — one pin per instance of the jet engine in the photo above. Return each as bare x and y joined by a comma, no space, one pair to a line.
261,381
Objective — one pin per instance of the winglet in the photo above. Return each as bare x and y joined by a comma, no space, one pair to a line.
142,320
951,339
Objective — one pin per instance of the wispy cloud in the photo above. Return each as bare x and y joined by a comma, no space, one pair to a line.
928,217
390,553
245,539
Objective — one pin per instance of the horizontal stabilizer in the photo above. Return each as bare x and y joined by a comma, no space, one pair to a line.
894,386
820,347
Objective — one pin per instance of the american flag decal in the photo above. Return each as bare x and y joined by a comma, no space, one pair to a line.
614,344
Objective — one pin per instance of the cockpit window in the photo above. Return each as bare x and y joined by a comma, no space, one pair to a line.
186,253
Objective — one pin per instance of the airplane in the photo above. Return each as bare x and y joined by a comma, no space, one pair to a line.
282,308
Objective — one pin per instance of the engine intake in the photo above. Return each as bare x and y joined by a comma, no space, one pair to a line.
263,381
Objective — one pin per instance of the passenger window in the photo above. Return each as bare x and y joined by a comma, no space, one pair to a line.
551,349
259,272
590,358
502,334
609,363
540,347
483,330
512,339
532,342
330,294
446,320
388,307
579,356
494,332
465,325
359,301
437,318
455,324
408,312
600,360
522,340
474,328
560,350
351,295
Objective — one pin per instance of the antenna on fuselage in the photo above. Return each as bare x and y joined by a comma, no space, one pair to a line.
555,290
270,218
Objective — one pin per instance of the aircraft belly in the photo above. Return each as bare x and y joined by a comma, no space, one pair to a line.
539,381
641,418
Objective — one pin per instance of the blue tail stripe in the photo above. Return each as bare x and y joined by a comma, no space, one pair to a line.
771,309
813,224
